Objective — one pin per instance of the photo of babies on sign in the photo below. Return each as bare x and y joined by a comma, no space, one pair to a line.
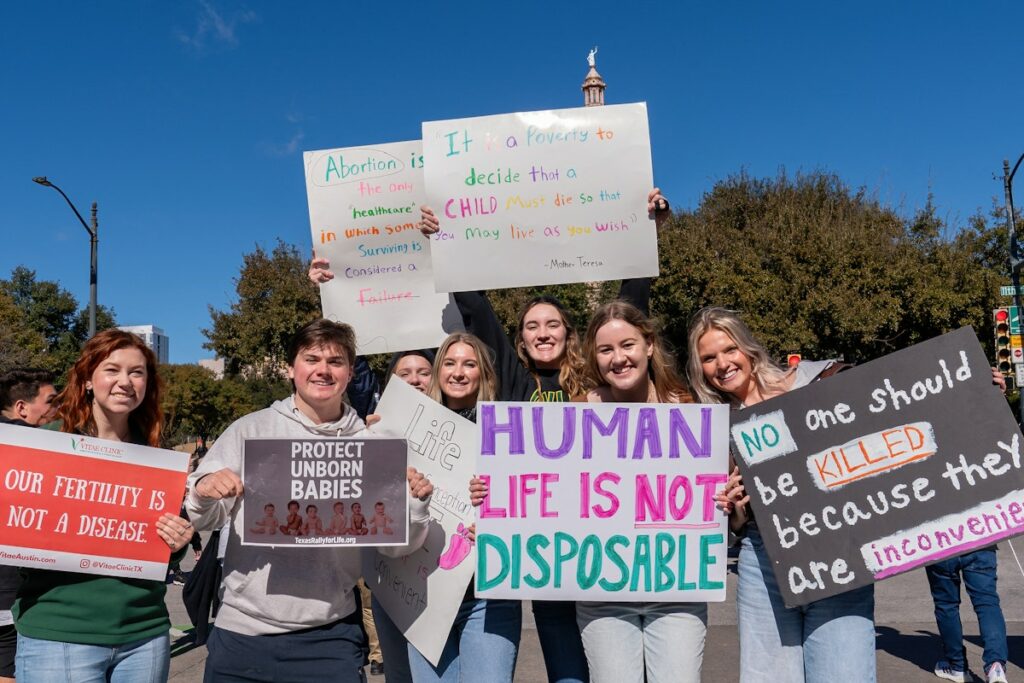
317,492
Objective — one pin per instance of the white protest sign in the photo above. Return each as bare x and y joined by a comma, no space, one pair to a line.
422,592
364,211
598,501
537,198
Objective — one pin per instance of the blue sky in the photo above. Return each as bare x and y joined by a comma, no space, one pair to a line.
187,120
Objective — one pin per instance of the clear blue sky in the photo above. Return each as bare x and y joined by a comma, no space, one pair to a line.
187,120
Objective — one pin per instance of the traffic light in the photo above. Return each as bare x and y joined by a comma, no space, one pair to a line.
793,360
1001,323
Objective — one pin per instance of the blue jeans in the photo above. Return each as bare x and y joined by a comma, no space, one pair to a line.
560,641
832,639
485,636
625,640
393,645
51,661
979,572
332,652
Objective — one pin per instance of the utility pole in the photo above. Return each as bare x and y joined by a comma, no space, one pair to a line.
1016,258
94,240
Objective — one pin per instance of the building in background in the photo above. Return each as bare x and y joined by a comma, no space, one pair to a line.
158,342
214,365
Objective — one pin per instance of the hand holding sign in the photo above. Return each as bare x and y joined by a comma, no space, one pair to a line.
176,531
220,484
419,486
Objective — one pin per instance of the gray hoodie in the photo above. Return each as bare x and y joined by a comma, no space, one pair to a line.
277,590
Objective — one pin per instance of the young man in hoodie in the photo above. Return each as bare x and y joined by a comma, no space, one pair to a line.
290,615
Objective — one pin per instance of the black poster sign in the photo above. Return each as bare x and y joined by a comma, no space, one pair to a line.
889,466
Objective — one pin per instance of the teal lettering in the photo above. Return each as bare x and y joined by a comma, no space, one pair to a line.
590,554
706,559
484,541
684,585
566,548
517,559
664,546
620,564
641,564
331,166
535,541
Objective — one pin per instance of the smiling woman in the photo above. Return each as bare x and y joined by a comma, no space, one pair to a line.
85,627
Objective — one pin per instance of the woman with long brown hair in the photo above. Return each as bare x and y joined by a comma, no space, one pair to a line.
628,362
86,627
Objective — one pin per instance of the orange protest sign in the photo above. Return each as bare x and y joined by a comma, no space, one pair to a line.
81,504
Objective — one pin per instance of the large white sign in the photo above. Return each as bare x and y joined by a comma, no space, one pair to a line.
364,211
422,592
537,198
601,501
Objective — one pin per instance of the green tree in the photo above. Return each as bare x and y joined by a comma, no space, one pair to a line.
196,403
275,298
58,327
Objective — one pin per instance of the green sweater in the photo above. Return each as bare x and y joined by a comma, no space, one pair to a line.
93,610
88,609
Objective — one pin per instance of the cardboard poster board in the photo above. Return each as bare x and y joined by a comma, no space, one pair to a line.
422,592
607,502
325,492
364,211
80,504
537,198
889,466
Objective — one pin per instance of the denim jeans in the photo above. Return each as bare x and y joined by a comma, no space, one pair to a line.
482,645
393,646
979,572
559,635
832,639
332,652
51,661
624,639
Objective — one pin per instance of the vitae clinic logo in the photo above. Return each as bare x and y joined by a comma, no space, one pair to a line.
81,445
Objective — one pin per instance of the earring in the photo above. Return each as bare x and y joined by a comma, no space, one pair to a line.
88,395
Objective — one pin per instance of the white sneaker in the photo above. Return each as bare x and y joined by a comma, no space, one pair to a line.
944,669
996,673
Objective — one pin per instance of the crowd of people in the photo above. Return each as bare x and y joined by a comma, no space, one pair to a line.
290,616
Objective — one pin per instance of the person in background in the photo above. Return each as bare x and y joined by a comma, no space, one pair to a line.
86,627
26,399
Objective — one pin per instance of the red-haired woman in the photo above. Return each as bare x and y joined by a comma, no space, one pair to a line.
82,627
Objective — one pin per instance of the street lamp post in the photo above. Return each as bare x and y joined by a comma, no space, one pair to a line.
94,240
1016,257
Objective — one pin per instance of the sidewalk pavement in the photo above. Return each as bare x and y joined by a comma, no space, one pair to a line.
907,645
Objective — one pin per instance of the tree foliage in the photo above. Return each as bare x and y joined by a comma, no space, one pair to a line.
41,324
813,266
196,403
275,299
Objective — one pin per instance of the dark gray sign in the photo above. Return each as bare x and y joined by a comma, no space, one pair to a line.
891,465
325,492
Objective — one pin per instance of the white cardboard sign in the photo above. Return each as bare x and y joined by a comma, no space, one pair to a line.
546,197
602,501
364,211
423,591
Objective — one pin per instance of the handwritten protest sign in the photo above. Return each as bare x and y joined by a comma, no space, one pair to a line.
364,210
560,194
610,502
422,592
325,492
79,504
898,463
